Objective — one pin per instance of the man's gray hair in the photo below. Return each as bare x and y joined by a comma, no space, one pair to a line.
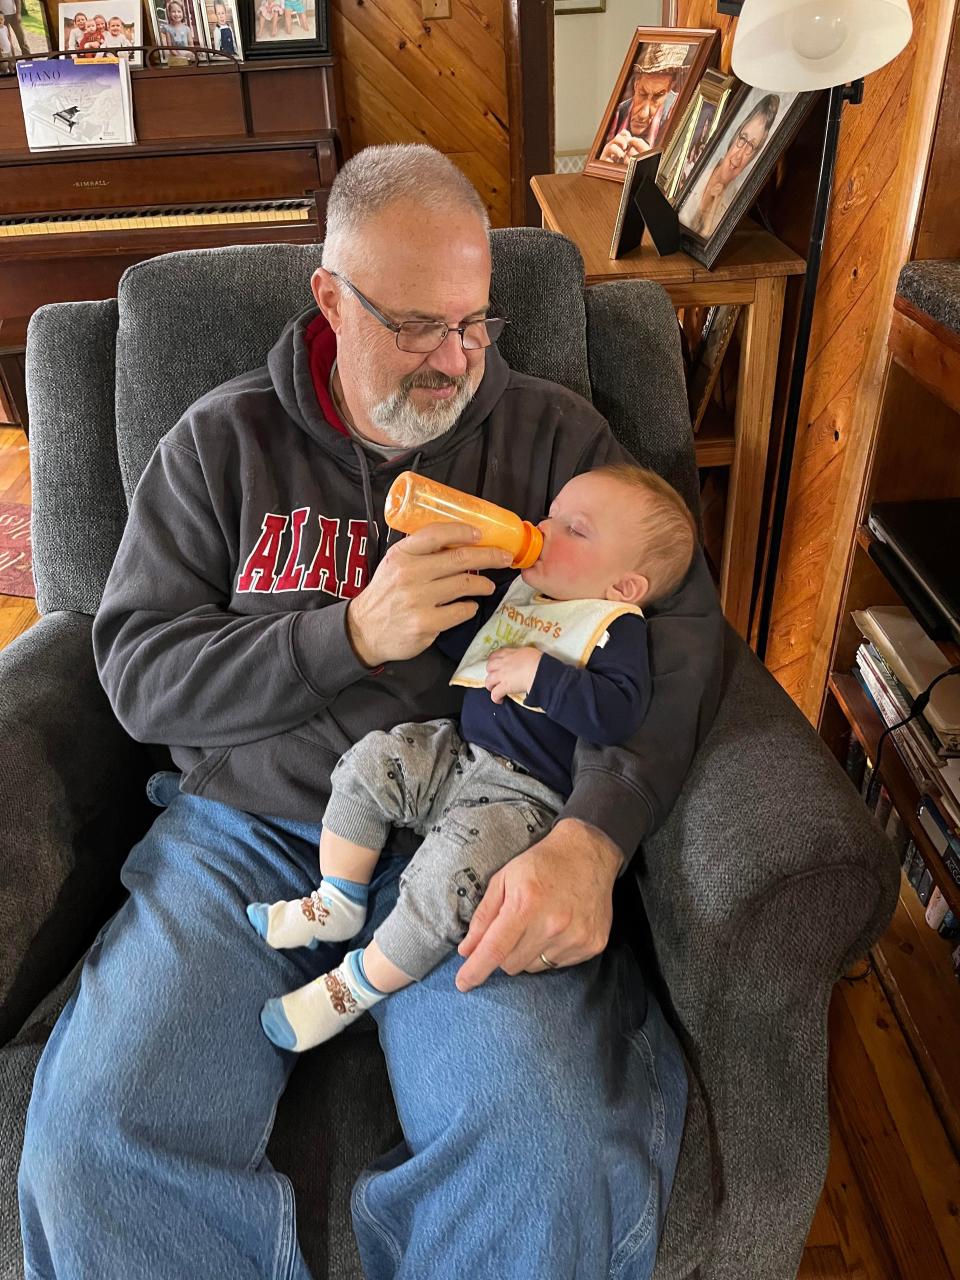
377,176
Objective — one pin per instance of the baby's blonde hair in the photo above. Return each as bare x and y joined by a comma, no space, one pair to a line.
664,525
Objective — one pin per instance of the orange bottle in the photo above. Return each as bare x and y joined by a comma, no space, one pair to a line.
414,501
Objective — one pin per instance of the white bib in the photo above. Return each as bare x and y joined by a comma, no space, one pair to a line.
566,629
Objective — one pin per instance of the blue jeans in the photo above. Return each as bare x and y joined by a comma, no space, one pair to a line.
542,1113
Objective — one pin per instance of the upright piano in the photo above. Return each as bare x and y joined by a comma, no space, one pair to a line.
72,221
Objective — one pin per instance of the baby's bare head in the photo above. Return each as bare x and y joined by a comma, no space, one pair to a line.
658,524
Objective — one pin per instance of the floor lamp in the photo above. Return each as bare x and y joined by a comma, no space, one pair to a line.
799,45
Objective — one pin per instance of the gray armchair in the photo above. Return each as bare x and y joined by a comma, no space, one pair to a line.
765,881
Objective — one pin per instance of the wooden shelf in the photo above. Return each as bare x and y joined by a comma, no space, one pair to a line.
913,965
865,721
928,351
950,649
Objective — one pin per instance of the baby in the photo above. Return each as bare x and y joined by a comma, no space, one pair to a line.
561,655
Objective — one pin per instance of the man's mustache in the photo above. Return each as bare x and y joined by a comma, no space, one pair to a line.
434,380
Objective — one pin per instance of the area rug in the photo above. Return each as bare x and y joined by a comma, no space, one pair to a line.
16,560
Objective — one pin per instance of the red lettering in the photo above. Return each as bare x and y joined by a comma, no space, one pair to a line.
260,569
289,580
355,577
322,575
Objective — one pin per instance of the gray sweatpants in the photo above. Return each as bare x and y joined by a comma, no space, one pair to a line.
474,810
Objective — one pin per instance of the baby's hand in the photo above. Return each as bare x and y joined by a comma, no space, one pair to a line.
511,671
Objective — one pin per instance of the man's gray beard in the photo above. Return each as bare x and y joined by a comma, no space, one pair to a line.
408,426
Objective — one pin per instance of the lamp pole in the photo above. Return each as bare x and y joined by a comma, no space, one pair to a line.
838,96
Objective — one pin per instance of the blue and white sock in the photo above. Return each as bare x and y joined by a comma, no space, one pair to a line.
332,913
318,1011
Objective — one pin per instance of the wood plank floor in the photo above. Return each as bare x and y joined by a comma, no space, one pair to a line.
890,1209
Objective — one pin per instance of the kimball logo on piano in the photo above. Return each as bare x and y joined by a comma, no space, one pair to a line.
92,182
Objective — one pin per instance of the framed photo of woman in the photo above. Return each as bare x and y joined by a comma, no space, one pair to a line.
737,161
697,126
659,74
284,28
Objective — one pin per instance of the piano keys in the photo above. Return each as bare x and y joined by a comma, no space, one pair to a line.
71,224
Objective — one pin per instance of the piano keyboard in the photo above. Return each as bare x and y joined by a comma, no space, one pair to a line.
273,211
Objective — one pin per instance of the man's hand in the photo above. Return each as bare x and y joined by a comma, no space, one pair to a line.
616,149
556,898
621,148
511,671
410,598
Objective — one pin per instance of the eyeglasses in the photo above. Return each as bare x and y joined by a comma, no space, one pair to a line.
743,143
424,336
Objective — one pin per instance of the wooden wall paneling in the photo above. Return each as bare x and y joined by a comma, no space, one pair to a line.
441,82
703,13
844,320
939,232
927,55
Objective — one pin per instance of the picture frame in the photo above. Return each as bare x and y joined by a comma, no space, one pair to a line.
699,123
30,33
757,126
579,6
84,28
659,74
177,26
718,329
284,28
222,20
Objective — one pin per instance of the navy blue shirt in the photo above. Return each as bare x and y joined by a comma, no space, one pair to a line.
604,702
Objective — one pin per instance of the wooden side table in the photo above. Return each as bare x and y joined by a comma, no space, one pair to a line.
751,271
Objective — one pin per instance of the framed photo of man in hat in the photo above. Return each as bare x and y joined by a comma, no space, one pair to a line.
660,72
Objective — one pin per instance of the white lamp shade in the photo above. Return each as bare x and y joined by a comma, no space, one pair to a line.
816,44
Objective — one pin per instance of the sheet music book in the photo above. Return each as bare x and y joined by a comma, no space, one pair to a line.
70,104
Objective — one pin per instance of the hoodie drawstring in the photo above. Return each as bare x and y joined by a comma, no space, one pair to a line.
373,527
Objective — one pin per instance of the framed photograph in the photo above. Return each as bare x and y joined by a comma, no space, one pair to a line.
734,166
108,27
579,6
714,341
223,27
23,32
177,28
662,67
695,129
284,28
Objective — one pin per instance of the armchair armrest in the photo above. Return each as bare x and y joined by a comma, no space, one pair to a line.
71,804
768,878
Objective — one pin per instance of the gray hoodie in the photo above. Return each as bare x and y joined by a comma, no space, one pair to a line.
222,631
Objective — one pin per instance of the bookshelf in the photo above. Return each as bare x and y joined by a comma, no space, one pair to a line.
915,455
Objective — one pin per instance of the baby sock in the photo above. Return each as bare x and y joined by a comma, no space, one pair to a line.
318,1011
332,913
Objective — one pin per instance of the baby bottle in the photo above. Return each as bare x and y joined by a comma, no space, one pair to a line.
414,501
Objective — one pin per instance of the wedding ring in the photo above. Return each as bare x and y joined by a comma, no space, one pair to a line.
548,963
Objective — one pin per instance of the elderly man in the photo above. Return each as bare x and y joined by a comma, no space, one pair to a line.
258,620
640,119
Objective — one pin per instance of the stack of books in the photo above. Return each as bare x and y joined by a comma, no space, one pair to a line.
937,913
70,104
895,663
